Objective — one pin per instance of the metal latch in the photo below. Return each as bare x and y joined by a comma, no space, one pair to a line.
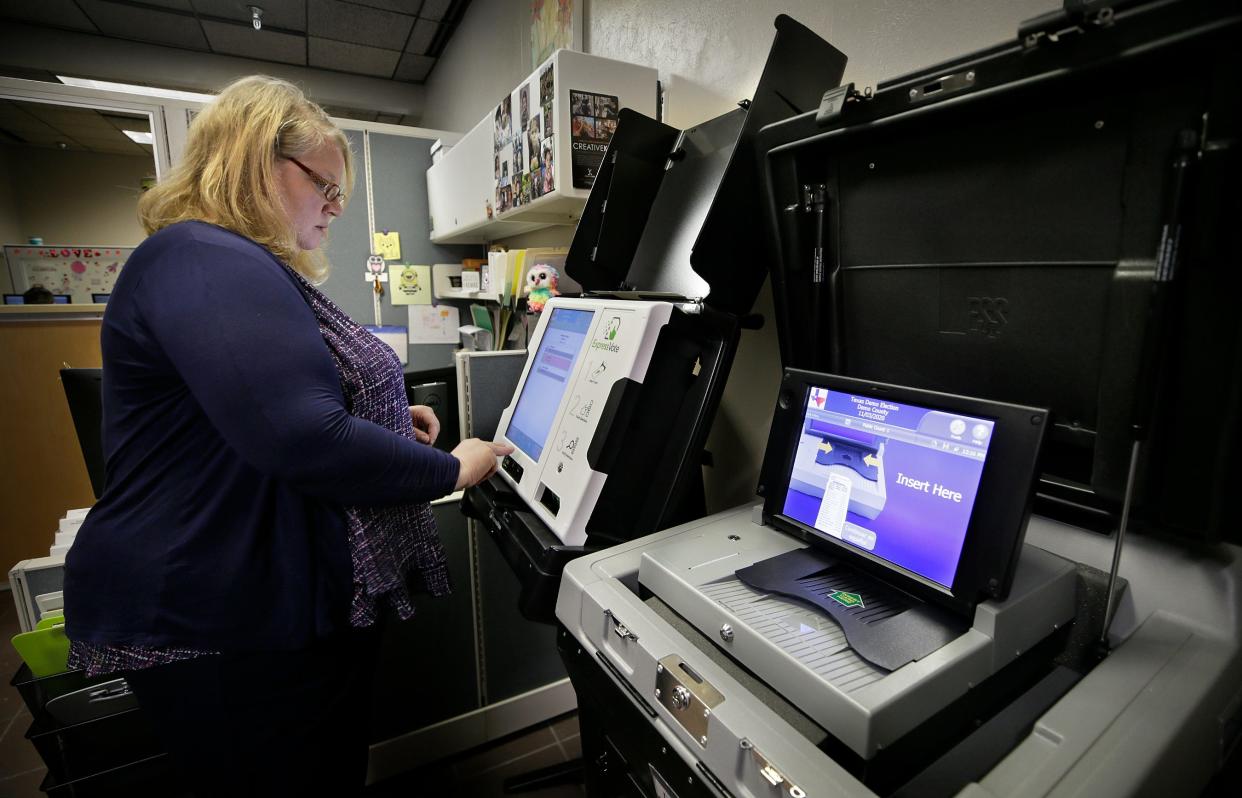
945,84
833,103
688,697
622,631
769,771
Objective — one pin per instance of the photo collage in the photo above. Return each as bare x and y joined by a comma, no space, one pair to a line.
524,145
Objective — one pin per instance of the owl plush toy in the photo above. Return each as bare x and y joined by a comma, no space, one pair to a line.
541,280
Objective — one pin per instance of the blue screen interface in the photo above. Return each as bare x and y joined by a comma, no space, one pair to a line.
896,480
547,379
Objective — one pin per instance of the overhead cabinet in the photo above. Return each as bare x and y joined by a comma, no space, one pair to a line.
530,163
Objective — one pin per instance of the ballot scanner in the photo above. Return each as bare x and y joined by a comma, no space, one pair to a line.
995,551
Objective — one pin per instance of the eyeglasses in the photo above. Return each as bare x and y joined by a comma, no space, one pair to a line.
331,191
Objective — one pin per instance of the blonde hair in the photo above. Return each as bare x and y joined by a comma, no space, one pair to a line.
227,176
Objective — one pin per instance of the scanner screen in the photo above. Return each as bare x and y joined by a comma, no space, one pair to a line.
547,379
896,480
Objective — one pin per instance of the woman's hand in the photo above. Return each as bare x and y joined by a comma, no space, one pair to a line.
478,460
426,425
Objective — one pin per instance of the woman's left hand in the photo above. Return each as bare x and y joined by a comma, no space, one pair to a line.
426,425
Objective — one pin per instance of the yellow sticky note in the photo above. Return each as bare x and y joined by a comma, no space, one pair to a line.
388,245
410,285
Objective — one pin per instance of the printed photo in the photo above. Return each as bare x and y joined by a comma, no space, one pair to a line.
546,159
581,104
506,112
533,135
583,127
605,128
545,85
605,107
524,104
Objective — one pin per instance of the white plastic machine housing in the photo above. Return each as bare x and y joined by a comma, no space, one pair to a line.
1155,715
618,345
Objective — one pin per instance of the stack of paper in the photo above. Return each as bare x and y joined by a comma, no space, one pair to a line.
68,530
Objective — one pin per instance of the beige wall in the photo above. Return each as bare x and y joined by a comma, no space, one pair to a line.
709,54
70,197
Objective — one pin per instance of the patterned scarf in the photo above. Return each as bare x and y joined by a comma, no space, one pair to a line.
388,545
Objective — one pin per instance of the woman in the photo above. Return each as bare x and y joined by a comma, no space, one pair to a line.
267,482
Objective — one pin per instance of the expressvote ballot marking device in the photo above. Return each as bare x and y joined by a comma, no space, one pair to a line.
670,224
585,351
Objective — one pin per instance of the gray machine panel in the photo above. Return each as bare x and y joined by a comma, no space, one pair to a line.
801,652
1155,717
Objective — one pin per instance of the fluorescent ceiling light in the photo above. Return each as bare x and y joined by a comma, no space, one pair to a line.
138,137
147,91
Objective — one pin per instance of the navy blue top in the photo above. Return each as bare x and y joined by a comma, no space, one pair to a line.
229,455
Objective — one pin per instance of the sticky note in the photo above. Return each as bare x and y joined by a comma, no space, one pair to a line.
388,245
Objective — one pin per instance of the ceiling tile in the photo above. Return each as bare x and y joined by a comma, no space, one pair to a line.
68,122
117,141
400,6
414,67
436,9
141,124
56,13
333,19
264,45
420,40
176,5
26,73
29,131
141,24
284,14
49,145
328,54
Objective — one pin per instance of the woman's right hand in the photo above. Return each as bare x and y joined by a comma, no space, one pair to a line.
478,460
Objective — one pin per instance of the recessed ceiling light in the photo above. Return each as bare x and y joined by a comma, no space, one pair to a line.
138,137
127,88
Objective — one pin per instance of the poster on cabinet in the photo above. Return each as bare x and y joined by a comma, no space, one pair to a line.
592,121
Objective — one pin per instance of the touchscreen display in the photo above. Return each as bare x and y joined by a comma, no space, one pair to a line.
547,379
896,480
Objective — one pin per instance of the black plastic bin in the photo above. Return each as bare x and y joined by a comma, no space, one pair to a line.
152,777
36,691
86,749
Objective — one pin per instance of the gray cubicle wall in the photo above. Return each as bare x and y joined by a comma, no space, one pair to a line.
399,198
349,245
